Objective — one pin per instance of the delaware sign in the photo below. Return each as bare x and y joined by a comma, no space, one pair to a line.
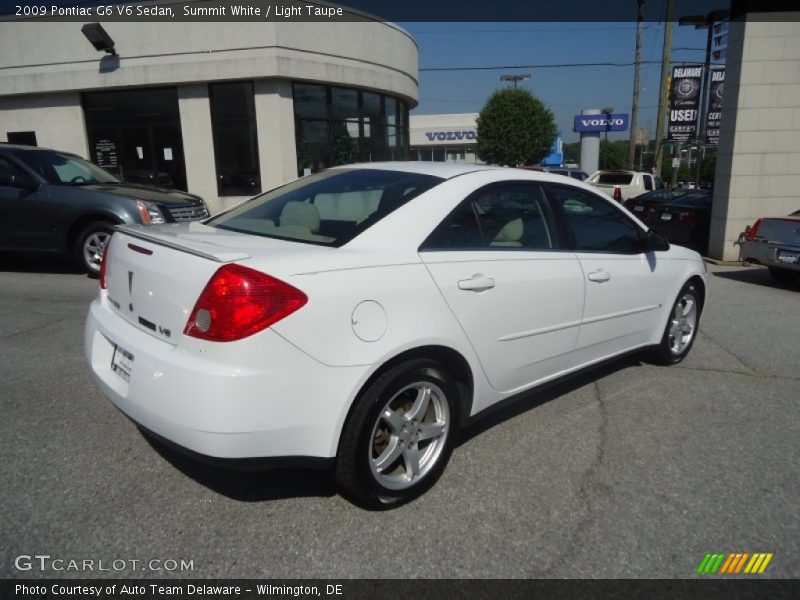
603,122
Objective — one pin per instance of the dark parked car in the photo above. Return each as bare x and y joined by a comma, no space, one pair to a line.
57,202
685,220
643,205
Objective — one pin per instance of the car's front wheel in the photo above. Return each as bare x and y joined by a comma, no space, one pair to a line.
681,329
90,243
398,439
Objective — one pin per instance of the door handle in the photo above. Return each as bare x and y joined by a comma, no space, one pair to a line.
600,276
477,283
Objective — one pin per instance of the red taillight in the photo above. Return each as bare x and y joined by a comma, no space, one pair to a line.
238,302
103,262
753,232
617,194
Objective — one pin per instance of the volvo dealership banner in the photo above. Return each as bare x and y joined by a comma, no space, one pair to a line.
714,112
684,103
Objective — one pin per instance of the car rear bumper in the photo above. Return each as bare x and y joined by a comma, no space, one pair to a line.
769,254
257,398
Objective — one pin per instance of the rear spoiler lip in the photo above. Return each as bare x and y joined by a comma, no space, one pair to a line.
202,249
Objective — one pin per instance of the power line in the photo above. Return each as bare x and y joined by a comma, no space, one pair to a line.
541,66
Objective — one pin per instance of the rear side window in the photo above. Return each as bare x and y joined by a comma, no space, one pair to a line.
329,208
498,217
615,178
596,225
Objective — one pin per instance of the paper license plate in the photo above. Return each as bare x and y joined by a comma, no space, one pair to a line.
638,208
122,363
790,258
666,217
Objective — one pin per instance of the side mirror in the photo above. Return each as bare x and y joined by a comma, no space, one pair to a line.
655,242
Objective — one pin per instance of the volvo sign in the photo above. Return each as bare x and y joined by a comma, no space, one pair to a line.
601,122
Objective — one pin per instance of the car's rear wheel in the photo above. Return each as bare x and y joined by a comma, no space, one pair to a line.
90,243
783,275
398,439
681,329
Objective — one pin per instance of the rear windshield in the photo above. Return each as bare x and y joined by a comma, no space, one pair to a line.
329,208
615,178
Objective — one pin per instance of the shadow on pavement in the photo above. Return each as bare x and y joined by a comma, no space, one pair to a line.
280,483
18,263
756,276
516,405
256,486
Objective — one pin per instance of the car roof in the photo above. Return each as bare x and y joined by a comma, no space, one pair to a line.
436,169
22,148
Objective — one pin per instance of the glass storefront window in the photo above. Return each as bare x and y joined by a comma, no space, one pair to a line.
136,135
310,101
336,126
233,126
345,125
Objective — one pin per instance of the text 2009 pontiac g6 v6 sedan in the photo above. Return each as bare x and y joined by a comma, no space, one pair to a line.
361,315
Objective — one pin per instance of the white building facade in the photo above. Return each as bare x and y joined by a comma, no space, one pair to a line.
223,110
444,138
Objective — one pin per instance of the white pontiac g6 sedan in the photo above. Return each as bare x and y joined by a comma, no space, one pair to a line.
359,317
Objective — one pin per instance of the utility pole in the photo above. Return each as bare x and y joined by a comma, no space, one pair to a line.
635,108
663,98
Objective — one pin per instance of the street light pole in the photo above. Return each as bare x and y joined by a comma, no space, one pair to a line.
515,78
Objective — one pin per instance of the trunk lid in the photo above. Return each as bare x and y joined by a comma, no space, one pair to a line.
155,274
784,231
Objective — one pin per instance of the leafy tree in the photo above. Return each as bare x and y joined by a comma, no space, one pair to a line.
613,154
514,128
572,152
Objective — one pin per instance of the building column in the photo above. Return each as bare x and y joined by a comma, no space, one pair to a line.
590,146
198,143
277,155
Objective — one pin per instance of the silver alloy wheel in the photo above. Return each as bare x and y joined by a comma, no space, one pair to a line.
682,324
93,247
409,435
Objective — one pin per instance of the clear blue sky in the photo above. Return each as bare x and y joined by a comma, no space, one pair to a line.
564,90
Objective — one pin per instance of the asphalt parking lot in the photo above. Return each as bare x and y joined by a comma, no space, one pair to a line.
631,470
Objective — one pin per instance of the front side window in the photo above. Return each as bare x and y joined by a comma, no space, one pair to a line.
497,217
233,126
328,208
596,225
10,173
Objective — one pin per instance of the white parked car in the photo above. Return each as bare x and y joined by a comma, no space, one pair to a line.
623,185
359,317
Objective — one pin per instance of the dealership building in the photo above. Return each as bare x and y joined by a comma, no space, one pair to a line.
444,138
222,109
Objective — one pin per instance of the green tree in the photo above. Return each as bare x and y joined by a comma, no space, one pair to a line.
572,152
514,128
613,154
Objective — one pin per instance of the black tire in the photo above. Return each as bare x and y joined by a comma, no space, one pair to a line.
783,275
367,435
89,244
673,348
